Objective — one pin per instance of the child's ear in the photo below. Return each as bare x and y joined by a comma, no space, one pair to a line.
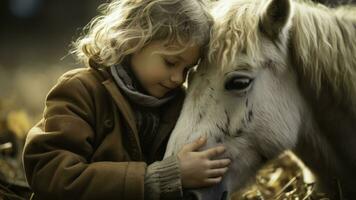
275,17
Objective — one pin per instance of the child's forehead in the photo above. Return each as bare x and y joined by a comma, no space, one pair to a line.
174,46
175,49
189,54
178,49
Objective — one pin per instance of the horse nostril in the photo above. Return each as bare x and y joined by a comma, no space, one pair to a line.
224,196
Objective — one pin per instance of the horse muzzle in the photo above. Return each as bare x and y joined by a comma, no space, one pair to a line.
217,192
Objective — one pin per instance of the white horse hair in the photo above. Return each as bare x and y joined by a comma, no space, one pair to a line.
279,74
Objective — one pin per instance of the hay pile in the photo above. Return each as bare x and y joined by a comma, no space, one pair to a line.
285,178
14,125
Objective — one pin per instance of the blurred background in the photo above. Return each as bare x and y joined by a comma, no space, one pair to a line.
35,38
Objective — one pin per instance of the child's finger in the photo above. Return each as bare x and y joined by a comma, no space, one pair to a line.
195,145
213,173
215,164
213,152
212,181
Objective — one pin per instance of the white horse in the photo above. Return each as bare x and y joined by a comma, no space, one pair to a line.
279,74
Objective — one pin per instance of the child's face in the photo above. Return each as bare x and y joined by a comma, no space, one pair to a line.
160,73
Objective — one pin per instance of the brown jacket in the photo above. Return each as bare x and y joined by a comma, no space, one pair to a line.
88,145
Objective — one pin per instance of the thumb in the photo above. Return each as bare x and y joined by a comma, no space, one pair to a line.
201,141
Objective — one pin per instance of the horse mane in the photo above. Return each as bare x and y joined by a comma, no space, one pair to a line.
323,44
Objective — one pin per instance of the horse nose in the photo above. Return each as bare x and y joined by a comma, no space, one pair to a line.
196,195
216,192
224,196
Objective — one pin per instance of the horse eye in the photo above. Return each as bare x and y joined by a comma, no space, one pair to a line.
238,83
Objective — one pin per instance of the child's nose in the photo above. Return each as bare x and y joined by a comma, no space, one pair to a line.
177,77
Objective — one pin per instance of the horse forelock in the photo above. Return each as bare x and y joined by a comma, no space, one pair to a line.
235,31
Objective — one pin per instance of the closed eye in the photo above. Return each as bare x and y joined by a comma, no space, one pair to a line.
169,63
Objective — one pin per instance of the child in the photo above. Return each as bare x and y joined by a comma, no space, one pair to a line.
105,127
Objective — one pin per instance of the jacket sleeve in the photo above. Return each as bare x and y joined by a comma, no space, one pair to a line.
58,150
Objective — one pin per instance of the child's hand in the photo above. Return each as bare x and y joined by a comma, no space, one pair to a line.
197,168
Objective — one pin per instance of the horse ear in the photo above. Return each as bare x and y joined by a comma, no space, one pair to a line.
275,17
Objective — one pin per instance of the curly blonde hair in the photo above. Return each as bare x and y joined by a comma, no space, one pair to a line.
126,26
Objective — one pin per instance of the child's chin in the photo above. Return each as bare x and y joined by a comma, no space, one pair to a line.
157,94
